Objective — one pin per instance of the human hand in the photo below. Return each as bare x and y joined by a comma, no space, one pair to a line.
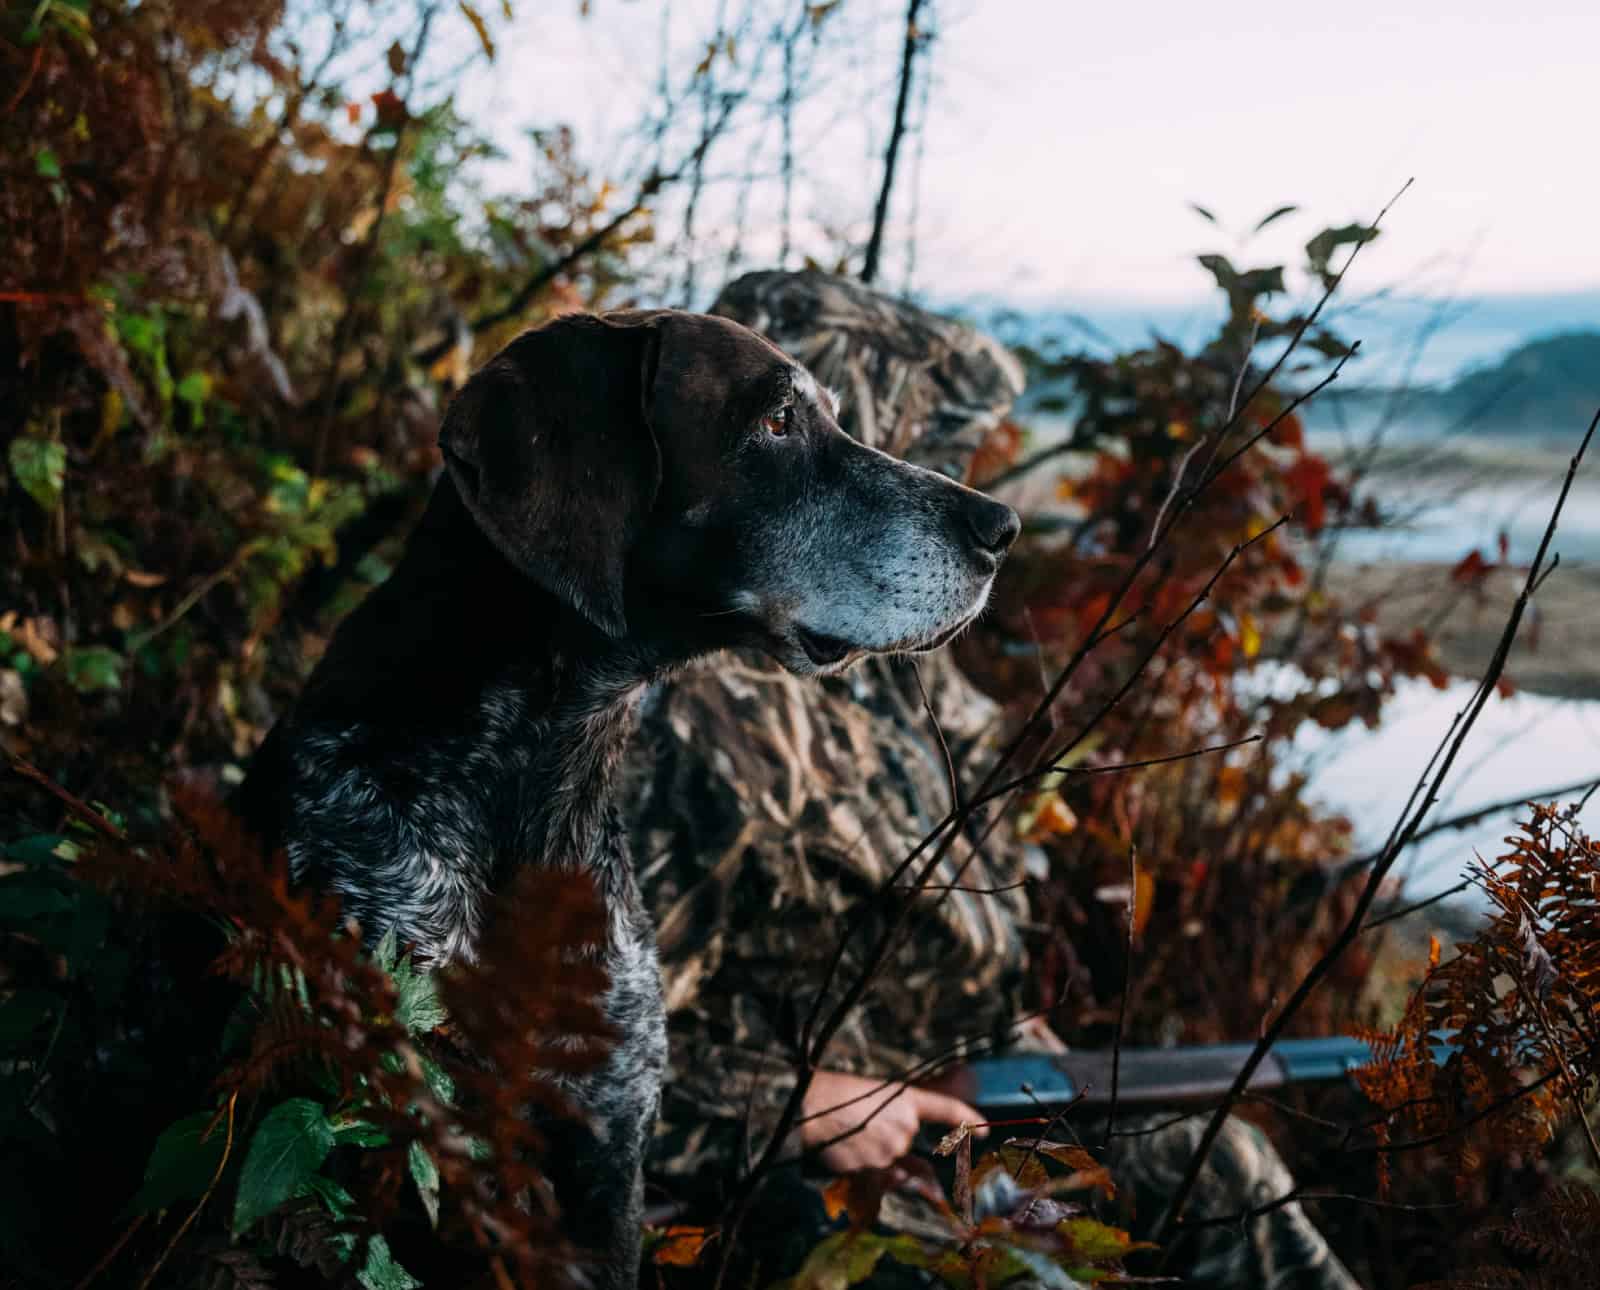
886,1117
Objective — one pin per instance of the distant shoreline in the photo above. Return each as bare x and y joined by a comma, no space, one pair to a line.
1557,652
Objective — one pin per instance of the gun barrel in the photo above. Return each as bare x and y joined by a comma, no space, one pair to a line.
1023,1082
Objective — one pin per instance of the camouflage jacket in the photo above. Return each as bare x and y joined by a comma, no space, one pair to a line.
771,812
767,810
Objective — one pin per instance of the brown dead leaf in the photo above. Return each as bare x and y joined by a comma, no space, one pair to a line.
681,1247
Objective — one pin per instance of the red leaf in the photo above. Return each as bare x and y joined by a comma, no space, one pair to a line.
1307,481
1472,569
858,1194
391,109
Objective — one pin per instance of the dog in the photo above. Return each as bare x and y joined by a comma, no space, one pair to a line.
622,494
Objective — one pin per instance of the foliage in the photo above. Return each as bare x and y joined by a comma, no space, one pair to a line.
1002,1225
343,1074
1551,1244
1269,652
1501,1042
224,271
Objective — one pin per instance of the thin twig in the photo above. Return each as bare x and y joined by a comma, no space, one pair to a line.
368,248
938,733
880,214
106,1258
1467,818
139,640
1114,768
26,83
1296,1195
28,771
1398,914
817,1031
1233,409
1399,840
1127,989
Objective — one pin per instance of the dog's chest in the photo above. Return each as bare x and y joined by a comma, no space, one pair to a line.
419,833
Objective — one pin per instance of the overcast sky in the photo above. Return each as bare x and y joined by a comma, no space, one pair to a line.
1065,140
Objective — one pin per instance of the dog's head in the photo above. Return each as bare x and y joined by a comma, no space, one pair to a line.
671,473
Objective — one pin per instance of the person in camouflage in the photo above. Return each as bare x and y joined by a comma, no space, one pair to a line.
766,811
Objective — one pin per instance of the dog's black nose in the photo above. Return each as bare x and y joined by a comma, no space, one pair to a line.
993,524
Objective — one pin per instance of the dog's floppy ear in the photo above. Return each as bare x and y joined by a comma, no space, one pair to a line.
550,447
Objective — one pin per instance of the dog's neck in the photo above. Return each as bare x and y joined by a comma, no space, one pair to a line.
458,630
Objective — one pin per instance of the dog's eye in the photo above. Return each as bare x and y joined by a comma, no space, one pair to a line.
777,423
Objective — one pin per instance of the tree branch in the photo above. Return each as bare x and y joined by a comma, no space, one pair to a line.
1399,840
880,215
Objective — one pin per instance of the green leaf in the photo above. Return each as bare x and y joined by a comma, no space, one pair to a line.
92,668
41,849
45,164
359,1133
195,389
24,896
842,1260
1094,1241
426,1175
439,1081
1320,249
183,1163
418,1009
335,1197
387,951
40,466
1275,216
289,1147
381,1272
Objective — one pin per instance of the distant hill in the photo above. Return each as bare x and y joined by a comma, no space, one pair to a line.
1549,384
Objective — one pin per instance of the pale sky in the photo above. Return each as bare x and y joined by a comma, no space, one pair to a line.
1065,140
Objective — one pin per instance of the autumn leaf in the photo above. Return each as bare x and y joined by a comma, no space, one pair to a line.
1472,569
479,26
995,453
1249,635
391,109
1307,481
677,1247
858,1194
1144,900
1046,816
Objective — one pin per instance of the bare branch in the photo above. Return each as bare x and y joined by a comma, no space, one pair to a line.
1402,836
880,215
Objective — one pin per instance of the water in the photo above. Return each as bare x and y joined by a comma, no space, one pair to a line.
1523,744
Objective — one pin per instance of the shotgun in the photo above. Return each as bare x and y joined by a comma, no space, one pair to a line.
1152,1076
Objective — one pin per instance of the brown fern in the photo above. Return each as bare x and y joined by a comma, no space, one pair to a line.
1517,1010
524,1012
1551,1244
